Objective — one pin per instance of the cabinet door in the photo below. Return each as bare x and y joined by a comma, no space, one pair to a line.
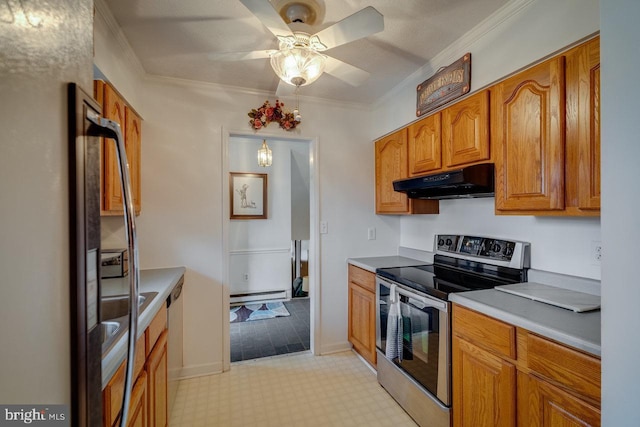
528,124
391,164
465,131
583,125
362,321
114,109
544,405
133,138
484,388
157,386
138,416
425,145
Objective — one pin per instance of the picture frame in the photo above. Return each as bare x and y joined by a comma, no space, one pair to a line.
248,194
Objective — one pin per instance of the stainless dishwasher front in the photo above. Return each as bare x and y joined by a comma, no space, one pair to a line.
174,343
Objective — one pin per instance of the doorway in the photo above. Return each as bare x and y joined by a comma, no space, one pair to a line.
269,262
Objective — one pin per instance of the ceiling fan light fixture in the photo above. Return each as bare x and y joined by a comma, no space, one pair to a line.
298,66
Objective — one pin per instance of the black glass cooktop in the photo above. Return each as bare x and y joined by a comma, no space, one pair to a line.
447,275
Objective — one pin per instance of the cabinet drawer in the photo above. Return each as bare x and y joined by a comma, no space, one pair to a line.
157,325
485,331
564,366
362,278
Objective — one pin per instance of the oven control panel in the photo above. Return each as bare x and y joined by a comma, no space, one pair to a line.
510,253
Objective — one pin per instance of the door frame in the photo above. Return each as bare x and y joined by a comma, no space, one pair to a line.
314,237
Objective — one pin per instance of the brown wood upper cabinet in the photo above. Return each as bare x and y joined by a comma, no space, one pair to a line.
391,153
528,135
114,107
425,145
583,126
465,131
456,136
546,136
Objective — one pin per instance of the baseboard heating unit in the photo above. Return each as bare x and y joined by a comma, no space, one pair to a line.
258,296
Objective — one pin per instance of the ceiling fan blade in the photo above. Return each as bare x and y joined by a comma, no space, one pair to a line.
361,24
263,10
345,72
240,56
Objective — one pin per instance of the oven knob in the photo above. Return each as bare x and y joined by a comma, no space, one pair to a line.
449,242
440,242
508,251
496,248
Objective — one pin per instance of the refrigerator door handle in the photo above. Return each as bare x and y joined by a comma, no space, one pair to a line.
110,129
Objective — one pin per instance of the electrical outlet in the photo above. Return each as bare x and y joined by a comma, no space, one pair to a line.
596,252
245,277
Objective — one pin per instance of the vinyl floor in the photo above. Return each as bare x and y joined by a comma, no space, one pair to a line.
271,337
296,390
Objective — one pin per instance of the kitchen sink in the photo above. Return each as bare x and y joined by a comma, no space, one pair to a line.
116,306
114,316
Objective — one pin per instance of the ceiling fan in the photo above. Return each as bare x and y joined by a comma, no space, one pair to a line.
298,60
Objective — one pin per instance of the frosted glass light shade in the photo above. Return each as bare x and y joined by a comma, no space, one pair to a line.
298,66
264,155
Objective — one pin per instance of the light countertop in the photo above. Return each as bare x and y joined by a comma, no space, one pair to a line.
578,330
161,280
372,263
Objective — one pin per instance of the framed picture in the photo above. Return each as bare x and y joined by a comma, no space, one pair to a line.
248,193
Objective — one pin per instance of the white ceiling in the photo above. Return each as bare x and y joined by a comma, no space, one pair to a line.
173,38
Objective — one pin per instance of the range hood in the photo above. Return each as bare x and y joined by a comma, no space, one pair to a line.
471,181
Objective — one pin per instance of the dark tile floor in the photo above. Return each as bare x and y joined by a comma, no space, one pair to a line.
269,337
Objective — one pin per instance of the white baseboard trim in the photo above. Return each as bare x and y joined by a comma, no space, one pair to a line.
262,296
335,348
201,370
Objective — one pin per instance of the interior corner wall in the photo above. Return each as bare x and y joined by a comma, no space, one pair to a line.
621,204
537,29
260,249
38,62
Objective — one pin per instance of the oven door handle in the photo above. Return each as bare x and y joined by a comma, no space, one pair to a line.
428,302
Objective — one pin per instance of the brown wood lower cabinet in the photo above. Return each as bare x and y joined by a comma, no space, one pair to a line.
157,371
484,387
362,312
519,379
138,415
148,404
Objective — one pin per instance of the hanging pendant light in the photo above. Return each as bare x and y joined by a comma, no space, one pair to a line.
264,155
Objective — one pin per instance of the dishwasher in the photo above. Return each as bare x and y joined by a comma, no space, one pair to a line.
174,343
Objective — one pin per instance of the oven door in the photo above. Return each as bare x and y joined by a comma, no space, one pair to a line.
425,337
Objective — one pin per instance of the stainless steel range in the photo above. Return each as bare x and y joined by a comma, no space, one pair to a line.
413,317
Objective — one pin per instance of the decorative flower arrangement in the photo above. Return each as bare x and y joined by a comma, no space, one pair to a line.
266,114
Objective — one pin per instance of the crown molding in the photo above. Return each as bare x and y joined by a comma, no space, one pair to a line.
129,55
458,47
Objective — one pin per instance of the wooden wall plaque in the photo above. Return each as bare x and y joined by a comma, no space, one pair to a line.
445,85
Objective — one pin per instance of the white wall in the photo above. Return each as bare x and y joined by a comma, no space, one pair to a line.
261,248
520,33
39,58
181,220
621,204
